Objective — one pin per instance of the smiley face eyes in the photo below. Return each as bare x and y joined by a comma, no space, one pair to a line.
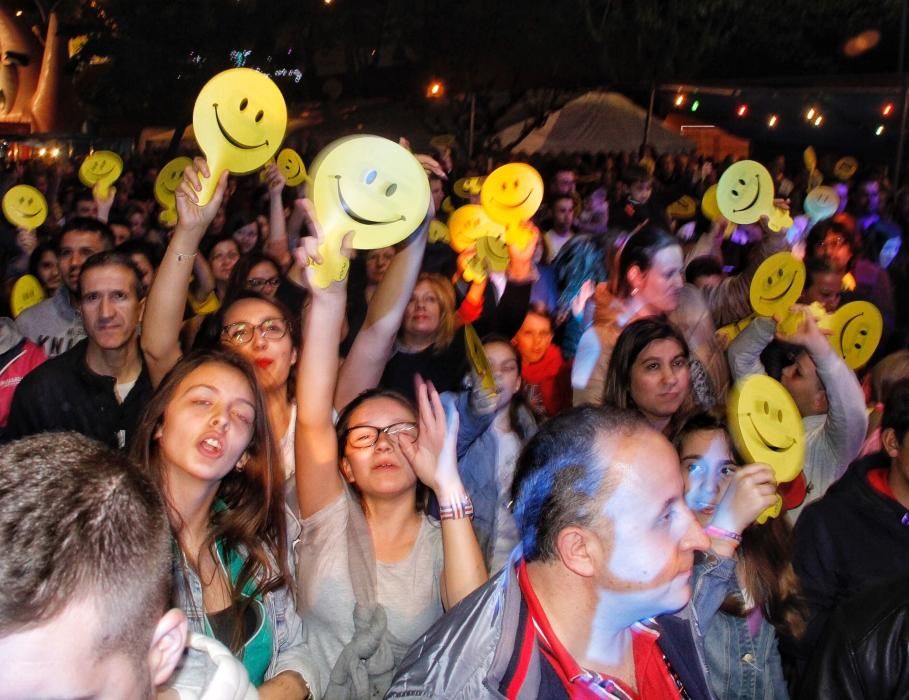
259,115
390,190
769,413
244,103
371,177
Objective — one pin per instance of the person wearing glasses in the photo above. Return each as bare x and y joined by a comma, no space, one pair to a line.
374,570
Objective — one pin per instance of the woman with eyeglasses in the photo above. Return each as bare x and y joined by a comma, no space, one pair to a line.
261,328
374,570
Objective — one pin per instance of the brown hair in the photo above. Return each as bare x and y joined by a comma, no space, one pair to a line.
445,293
253,521
80,521
765,553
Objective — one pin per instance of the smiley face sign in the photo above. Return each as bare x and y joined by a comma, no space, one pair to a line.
239,119
479,362
166,184
777,284
845,168
370,186
744,194
683,208
767,427
709,206
25,207
512,193
821,203
25,293
856,330
470,223
101,169
291,166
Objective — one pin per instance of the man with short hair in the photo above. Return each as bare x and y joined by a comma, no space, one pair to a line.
606,544
55,324
100,387
562,227
84,576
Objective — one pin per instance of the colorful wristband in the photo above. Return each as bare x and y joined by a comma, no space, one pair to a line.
722,534
461,509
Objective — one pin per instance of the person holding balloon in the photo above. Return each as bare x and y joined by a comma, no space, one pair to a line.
745,591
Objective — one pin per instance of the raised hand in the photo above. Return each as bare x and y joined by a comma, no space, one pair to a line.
308,253
192,218
752,491
276,181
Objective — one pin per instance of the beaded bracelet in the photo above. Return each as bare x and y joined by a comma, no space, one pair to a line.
723,534
461,509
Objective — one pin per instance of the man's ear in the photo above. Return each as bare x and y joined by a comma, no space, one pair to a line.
578,550
168,643
889,442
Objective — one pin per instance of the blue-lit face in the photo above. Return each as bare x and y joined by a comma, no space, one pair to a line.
707,468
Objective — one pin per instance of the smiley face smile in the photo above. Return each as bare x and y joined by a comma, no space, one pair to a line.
784,292
512,206
767,442
356,217
230,139
757,194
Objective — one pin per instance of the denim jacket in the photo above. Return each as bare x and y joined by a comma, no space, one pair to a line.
289,650
740,666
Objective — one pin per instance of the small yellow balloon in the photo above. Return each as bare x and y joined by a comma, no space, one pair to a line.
512,193
777,284
166,184
239,119
25,207
845,168
468,187
821,203
291,166
810,158
370,186
468,224
438,232
766,425
709,206
744,192
856,330
479,362
26,293
683,208
101,169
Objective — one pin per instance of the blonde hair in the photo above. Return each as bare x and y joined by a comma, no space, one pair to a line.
445,293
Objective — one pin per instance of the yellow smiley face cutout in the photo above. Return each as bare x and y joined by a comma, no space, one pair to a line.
166,184
766,425
709,207
809,156
512,193
239,119
101,169
368,185
26,293
777,284
683,208
821,203
845,168
25,207
479,362
470,223
468,187
744,192
291,166
856,330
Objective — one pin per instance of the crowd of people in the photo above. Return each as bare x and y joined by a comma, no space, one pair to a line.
219,479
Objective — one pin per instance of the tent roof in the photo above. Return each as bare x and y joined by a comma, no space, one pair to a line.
595,122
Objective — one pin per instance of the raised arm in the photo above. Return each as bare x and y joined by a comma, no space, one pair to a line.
167,296
316,447
435,462
277,245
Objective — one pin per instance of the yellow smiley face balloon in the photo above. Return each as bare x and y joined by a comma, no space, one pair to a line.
24,207
26,293
821,203
512,193
291,166
744,192
438,232
368,185
709,206
766,425
845,168
239,119
101,169
468,187
166,184
479,362
468,224
683,208
856,330
810,158
777,284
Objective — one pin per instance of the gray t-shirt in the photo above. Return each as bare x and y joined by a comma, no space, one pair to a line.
409,589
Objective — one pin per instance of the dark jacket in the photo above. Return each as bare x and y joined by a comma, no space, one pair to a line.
865,651
849,540
64,394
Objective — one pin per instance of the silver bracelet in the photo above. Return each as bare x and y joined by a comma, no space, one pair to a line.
183,256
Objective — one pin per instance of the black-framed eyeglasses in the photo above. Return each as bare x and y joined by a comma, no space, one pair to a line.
259,282
241,332
368,435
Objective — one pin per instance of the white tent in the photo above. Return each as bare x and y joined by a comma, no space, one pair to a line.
595,122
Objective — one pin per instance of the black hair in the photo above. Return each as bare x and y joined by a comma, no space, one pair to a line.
896,410
110,258
86,224
702,266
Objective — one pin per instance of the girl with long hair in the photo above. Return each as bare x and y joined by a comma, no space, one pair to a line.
205,441
745,591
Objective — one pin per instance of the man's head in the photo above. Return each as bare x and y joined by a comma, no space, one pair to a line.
792,366
704,271
598,495
81,239
894,429
823,284
563,213
85,206
563,182
85,574
111,299
639,182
